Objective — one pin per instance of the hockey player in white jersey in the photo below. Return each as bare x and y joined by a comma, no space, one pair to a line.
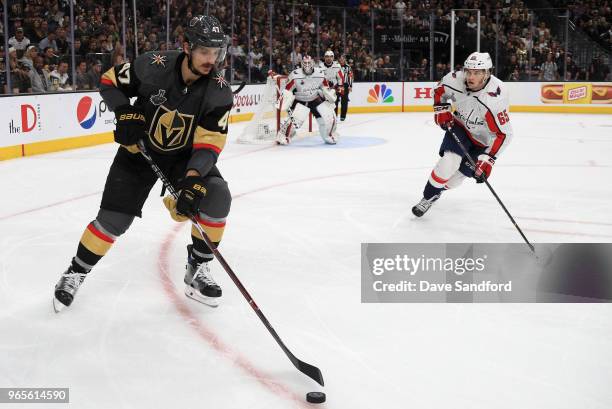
480,121
306,92
333,71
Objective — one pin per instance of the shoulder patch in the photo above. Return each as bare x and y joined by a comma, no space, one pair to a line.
496,93
158,60
220,79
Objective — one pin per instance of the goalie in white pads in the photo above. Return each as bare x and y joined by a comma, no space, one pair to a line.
307,91
480,122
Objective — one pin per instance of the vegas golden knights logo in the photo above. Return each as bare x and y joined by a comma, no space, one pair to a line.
170,129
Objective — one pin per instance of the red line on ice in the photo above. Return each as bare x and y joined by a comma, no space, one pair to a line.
179,302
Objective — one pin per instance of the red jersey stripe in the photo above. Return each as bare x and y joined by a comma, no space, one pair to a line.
214,148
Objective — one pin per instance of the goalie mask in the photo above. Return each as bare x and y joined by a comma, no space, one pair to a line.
206,31
307,65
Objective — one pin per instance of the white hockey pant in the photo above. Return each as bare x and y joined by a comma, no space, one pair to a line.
446,172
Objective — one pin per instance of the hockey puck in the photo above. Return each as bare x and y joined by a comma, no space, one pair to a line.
315,397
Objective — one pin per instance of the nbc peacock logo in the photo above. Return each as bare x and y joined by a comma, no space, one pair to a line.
380,94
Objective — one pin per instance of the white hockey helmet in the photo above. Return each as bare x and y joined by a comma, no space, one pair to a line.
329,53
307,65
478,61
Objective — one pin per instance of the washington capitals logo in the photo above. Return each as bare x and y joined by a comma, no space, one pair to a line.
496,93
158,98
159,60
221,80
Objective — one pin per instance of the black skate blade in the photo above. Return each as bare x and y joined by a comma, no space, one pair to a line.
190,292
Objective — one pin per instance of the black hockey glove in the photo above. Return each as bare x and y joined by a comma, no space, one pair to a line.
130,125
192,191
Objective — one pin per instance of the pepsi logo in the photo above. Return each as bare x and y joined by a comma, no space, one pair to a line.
86,112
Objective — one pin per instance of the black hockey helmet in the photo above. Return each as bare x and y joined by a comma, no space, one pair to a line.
206,31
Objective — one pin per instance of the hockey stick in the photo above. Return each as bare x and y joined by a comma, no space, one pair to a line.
240,87
484,179
309,370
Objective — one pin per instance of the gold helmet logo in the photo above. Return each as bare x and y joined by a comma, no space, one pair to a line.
170,130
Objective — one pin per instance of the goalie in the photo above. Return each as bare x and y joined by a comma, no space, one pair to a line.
306,92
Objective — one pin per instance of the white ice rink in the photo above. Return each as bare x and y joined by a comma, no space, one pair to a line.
133,340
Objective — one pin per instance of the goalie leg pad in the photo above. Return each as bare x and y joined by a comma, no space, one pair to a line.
327,123
287,99
285,132
299,114
444,169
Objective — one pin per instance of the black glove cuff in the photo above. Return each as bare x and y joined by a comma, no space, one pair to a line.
194,184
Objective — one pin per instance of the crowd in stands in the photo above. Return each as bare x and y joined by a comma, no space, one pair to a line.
524,44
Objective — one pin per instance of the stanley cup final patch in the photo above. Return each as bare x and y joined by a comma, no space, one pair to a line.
159,98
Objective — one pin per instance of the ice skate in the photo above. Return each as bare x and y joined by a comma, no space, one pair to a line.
66,288
200,286
423,206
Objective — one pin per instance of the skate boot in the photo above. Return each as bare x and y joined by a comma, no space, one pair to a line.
423,206
200,285
67,287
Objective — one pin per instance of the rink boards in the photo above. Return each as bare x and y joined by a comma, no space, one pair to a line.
35,124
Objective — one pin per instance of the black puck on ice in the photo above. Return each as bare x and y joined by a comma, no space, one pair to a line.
315,397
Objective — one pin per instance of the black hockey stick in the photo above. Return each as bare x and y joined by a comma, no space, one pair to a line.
240,87
307,369
484,179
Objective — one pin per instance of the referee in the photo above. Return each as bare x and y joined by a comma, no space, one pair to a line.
347,71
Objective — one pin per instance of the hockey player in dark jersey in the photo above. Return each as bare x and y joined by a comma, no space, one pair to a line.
181,114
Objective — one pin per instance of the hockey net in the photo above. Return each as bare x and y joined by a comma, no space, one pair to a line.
262,128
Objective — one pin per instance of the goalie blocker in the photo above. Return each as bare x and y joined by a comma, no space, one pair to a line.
306,92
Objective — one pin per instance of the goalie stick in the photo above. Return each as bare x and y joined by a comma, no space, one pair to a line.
309,370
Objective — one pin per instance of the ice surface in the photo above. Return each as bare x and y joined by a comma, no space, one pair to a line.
133,340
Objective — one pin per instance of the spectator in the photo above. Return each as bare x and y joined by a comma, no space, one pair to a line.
47,69
63,46
59,78
572,69
19,42
548,70
83,80
472,23
36,33
79,50
296,56
20,79
94,74
39,63
50,57
279,67
598,71
236,50
48,42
